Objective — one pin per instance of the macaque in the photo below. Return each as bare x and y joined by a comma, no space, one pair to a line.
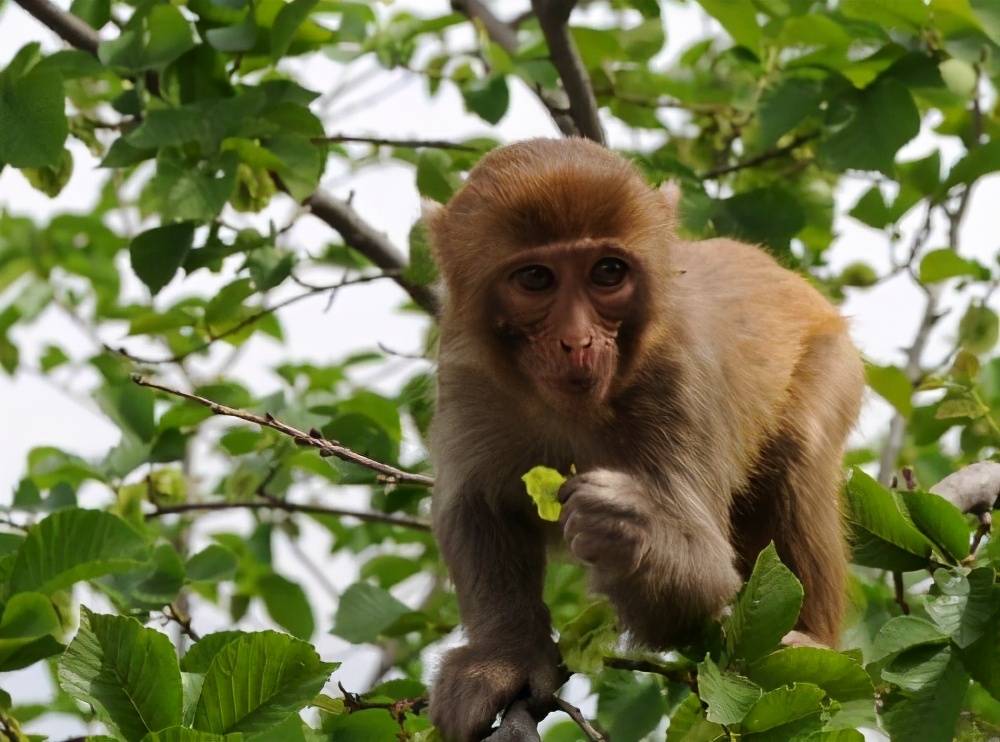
702,392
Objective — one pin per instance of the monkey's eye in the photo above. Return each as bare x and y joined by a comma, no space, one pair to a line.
608,272
534,278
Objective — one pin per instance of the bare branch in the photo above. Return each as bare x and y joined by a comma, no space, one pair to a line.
504,35
291,507
249,320
183,621
771,154
372,244
68,27
383,142
387,474
553,17
577,716
676,672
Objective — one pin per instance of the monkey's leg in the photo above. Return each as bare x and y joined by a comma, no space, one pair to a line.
497,561
825,397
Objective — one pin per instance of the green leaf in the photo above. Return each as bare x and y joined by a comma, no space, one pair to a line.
256,681
73,545
978,162
128,673
688,724
366,611
871,209
940,521
982,657
883,537
239,37
95,13
488,97
783,706
739,18
729,696
904,632
936,685
856,135
766,609
940,265
213,563
199,657
906,14
436,178
978,329
157,253
892,384
287,605
785,105
949,409
151,39
589,637
33,125
183,734
26,618
389,569
839,675
130,406
769,215
366,725
964,606
286,23
543,485
629,706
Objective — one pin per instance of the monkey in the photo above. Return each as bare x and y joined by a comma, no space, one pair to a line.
702,392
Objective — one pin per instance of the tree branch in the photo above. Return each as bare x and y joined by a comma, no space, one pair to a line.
383,142
553,17
372,244
771,154
504,35
291,507
249,320
386,473
577,716
68,27
337,214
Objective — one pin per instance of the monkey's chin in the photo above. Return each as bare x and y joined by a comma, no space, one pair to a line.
576,394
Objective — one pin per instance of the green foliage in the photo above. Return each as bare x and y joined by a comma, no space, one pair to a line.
211,151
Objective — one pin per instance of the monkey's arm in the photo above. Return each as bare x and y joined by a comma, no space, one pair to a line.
496,559
655,549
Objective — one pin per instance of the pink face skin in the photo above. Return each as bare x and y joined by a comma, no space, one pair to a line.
566,304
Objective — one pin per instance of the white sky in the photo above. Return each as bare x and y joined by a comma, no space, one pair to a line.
393,104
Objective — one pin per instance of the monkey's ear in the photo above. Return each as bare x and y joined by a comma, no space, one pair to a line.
430,211
670,190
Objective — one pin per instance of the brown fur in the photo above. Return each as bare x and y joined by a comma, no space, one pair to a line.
733,391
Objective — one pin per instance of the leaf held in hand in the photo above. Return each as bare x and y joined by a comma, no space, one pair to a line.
543,485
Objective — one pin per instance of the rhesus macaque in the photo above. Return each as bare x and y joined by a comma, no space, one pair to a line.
702,391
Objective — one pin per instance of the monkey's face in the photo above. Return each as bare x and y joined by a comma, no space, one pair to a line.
561,307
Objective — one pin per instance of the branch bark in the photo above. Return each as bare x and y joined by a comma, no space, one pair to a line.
291,507
337,214
553,17
313,439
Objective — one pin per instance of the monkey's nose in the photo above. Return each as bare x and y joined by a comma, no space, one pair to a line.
576,343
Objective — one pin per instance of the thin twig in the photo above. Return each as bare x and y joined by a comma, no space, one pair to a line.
900,593
577,716
171,613
397,709
291,507
676,673
387,474
247,321
384,142
771,154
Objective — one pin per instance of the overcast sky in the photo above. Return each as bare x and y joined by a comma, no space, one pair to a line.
393,104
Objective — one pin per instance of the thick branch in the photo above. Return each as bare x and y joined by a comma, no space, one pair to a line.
504,35
291,507
553,17
68,27
372,244
357,233
313,439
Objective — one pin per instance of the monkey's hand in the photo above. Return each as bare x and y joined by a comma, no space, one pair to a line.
604,521
478,681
